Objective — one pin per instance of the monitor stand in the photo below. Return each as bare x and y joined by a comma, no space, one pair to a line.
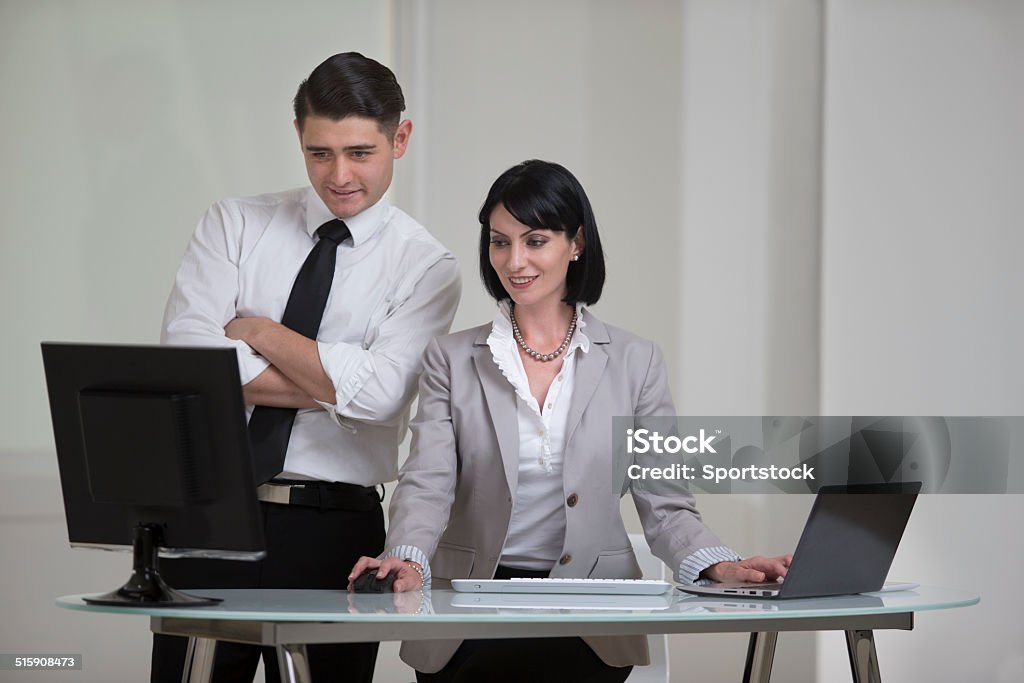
145,588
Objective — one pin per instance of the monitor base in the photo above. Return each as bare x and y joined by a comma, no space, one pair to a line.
145,588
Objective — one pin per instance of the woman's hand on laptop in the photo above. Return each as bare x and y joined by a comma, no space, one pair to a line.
756,569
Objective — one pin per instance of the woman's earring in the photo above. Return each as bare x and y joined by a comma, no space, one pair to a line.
575,257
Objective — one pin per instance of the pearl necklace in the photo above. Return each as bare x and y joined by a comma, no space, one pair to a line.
537,355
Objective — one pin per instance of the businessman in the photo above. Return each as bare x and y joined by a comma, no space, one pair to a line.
329,294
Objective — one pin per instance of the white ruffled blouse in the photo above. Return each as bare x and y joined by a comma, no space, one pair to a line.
536,532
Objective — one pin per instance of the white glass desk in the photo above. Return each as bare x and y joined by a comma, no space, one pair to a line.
291,619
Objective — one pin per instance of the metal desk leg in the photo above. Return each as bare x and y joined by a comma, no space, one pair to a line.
863,658
199,660
760,654
294,663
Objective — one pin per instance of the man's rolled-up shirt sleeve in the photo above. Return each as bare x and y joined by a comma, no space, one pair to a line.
202,300
376,384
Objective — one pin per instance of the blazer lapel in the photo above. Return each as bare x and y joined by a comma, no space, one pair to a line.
501,404
588,374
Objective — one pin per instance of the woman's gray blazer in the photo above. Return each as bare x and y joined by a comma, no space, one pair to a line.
454,494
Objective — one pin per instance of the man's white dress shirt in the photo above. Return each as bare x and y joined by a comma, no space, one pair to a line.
395,288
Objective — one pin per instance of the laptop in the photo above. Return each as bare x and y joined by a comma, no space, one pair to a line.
847,545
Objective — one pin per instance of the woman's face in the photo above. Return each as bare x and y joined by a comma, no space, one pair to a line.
531,263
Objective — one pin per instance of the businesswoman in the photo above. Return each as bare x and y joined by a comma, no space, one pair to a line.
511,471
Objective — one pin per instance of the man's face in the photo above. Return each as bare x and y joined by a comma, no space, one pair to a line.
350,162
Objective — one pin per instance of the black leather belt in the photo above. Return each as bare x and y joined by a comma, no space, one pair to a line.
319,494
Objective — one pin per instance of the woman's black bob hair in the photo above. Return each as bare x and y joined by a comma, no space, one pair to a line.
545,195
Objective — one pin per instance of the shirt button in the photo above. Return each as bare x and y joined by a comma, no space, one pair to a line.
549,406
565,559
572,500
559,378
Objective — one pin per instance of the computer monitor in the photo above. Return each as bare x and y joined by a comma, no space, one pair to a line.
154,455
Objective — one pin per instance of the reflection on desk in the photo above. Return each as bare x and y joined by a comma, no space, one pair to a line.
445,606
289,620
857,601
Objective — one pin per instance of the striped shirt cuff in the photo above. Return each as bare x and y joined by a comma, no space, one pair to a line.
692,566
411,552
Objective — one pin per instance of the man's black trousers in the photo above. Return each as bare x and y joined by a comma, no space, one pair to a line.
307,547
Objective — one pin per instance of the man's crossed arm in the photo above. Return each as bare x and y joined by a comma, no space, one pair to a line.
295,377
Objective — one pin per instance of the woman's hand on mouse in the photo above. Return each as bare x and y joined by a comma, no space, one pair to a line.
407,578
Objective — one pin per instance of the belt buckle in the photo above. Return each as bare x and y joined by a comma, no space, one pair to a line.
289,488
271,492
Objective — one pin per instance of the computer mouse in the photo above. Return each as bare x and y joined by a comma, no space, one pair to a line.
367,582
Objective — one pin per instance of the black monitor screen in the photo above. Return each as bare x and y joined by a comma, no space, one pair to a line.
153,435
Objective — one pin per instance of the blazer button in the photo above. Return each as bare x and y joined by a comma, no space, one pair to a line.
565,559
572,500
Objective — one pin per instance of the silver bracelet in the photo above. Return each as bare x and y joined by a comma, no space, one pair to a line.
417,568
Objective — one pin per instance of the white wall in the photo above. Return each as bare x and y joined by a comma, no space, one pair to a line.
748,307
922,283
123,122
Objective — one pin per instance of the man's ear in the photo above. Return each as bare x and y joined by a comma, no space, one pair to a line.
401,139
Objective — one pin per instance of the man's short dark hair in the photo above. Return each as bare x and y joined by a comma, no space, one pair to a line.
349,84
545,195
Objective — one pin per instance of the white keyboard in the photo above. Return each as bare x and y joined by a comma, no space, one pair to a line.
563,586
548,601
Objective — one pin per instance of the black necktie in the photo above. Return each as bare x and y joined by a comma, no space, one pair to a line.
270,427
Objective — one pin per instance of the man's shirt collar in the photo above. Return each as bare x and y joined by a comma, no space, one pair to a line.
363,225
